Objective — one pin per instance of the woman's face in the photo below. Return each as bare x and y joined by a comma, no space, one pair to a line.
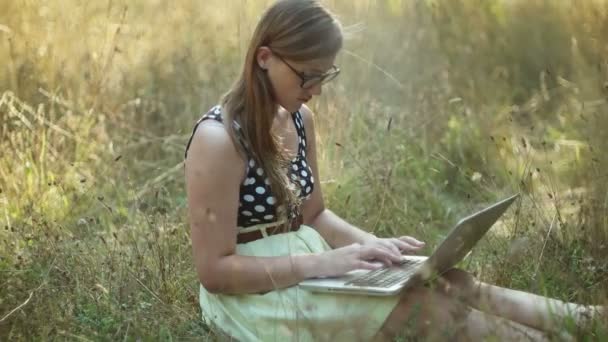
286,78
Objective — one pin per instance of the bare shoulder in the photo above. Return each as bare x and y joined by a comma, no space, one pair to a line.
212,147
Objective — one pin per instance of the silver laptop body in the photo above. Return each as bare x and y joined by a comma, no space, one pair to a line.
391,280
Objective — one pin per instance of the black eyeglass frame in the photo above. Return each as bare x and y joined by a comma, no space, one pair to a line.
319,79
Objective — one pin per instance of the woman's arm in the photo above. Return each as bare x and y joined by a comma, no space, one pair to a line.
336,231
214,170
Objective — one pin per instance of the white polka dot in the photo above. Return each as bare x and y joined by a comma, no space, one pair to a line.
300,140
303,153
304,143
260,171
246,213
251,163
249,180
259,208
303,163
260,190
248,198
294,167
303,182
312,180
304,173
271,200
217,110
267,181
308,188
268,217
255,220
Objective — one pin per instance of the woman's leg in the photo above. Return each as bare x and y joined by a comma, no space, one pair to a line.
481,326
526,308
434,315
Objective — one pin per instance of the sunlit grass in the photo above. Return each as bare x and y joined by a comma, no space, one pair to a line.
442,107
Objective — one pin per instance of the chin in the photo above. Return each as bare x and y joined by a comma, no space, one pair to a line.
293,107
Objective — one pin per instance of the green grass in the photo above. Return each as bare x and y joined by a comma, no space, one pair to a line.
442,107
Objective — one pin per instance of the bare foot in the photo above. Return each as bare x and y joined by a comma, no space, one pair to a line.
590,313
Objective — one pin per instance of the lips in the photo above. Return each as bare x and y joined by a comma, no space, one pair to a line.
305,100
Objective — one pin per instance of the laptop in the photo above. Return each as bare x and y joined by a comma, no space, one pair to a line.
413,269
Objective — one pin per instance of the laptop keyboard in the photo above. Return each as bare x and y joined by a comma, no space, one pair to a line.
387,277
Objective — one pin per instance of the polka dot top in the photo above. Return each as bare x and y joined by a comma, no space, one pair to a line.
256,202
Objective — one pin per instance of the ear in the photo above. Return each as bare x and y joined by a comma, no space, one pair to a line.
263,56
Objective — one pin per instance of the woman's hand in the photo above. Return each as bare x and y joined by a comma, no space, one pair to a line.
372,254
338,261
401,245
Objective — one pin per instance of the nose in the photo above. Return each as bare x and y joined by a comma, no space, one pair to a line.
316,90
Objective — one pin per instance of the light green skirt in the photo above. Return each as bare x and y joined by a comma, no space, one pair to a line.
294,314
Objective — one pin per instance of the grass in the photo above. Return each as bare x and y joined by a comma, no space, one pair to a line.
443,106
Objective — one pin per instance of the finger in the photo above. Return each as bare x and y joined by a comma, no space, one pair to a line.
390,254
386,262
376,252
411,249
390,245
385,245
383,260
366,265
412,241
401,245
407,244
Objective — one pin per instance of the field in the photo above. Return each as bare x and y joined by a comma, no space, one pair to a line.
441,108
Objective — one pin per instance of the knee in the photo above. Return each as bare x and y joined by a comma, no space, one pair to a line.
459,278
433,302
429,310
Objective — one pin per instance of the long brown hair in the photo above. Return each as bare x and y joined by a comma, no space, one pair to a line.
299,30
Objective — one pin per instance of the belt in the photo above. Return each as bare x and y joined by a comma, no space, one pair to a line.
260,231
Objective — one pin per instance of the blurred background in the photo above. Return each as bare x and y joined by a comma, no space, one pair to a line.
442,107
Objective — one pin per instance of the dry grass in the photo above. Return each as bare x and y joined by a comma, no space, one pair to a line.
443,106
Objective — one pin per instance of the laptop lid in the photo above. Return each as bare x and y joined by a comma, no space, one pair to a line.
463,237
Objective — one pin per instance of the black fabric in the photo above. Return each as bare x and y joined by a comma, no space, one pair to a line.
256,202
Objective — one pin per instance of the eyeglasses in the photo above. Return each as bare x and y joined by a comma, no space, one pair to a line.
311,81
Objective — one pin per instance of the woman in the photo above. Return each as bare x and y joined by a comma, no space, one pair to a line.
259,225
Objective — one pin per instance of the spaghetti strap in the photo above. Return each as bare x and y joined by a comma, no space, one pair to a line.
216,114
